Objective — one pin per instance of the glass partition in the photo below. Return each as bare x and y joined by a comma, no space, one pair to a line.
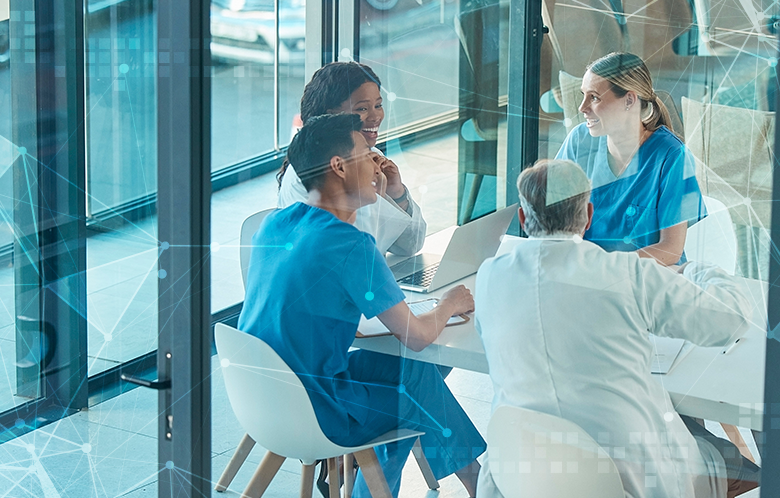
713,66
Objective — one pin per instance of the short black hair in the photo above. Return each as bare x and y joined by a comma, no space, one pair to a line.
321,138
331,85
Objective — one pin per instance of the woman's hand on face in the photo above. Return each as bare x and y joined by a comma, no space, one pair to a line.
395,188
381,184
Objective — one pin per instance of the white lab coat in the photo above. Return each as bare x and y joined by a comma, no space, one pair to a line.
394,229
565,327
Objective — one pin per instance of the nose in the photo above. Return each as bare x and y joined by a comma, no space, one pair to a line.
583,105
374,115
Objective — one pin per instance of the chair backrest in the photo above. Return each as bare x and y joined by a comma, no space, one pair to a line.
713,239
248,229
544,456
268,399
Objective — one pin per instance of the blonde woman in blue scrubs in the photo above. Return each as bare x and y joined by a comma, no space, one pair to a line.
645,194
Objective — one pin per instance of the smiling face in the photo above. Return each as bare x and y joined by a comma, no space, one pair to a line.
367,102
363,170
605,113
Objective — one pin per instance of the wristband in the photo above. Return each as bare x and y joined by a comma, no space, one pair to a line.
402,198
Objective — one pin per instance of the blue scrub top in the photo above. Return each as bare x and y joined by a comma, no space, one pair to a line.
657,190
311,277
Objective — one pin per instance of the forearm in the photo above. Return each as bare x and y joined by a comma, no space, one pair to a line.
426,328
665,253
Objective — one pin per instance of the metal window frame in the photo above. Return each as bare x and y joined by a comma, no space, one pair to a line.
49,120
770,456
183,207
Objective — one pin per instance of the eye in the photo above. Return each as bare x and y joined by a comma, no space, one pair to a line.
378,106
593,98
361,109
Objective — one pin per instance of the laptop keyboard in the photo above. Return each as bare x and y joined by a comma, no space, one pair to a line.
421,277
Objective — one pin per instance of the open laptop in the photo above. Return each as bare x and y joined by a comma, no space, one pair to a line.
471,244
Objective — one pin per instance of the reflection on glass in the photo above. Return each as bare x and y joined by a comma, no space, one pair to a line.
714,76
122,252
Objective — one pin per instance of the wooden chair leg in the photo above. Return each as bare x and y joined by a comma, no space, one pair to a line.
735,437
372,473
307,481
349,474
263,475
333,477
425,467
243,450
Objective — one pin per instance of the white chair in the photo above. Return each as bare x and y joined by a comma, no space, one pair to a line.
544,456
713,239
273,407
248,229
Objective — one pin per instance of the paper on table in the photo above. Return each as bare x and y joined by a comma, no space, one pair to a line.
374,326
665,351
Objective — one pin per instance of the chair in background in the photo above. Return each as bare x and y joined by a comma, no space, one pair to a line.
248,229
544,456
273,407
733,151
713,240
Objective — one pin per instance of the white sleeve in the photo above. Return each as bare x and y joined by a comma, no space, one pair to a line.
412,238
291,190
705,305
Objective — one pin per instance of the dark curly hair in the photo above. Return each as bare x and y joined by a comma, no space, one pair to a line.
330,86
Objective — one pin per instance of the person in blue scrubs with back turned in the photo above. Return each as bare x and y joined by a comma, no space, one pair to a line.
645,194
313,273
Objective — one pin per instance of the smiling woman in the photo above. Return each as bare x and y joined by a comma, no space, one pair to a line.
645,193
395,221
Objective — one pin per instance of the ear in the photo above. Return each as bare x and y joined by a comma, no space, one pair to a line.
590,217
631,98
521,217
338,166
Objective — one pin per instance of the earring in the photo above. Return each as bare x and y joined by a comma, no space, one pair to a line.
628,107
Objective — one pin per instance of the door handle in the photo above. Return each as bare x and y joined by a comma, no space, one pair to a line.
157,385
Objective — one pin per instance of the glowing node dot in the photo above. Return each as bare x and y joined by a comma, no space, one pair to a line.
108,338
19,423
446,432
214,247
224,362
369,296
577,239
165,246
169,464
124,68
626,240
668,416
567,122
401,388
391,96
22,150
746,201
162,274
86,447
423,189
30,448
288,246
345,52
772,62
631,211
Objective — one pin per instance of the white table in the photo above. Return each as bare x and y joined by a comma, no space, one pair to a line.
703,383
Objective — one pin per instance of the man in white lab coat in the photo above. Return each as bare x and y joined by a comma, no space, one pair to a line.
566,328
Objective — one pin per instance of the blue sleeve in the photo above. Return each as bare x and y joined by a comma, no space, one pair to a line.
368,281
679,198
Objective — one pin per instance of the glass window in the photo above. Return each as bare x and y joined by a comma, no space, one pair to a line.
121,132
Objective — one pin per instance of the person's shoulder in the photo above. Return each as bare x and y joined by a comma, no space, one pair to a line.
663,136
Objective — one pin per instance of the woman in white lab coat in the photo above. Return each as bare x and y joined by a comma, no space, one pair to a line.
395,220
